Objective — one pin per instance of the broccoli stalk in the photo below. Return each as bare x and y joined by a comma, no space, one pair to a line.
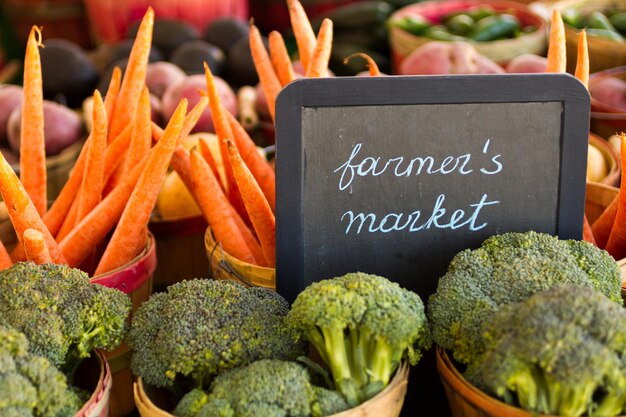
362,326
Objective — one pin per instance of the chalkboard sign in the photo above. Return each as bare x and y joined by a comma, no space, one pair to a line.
395,175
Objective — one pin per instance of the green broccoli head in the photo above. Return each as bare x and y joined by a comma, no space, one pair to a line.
266,388
63,316
31,385
211,326
362,327
560,352
508,268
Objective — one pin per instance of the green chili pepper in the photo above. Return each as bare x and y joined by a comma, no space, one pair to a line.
441,33
598,20
481,12
460,24
573,18
618,20
495,27
608,34
415,24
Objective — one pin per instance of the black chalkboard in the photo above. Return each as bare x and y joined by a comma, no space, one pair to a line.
366,167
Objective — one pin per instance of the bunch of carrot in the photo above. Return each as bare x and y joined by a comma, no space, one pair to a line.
116,178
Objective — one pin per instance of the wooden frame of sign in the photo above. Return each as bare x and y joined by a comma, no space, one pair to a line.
395,175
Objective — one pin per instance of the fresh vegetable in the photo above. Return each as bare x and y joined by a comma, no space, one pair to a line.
557,54
606,23
175,201
527,63
616,245
447,58
373,70
280,58
318,63
305,37
263,64
10,99
597,168
168,34
31,386
191,55
610,91
508,268
211,326
160,75
495,27
141,137
5,259
413,23
601,228
602,33
63,316
560,352
35,247
266,388
361,326
224,32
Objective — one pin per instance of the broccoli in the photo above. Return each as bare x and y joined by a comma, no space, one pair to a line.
266,388
31,386
560,352
210,326
362,326
63,316
508,268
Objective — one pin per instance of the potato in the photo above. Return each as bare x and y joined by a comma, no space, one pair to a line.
527,63
10,98
62,127
447,58
188,88
597,168
161,75
610,91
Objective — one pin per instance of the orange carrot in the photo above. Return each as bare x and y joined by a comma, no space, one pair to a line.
93,178
32,148
280,58
616,245
71,219
5,259
261,215
116,150
582,60
134,76
318,66
302,30
260,168
601,228
557,54
114,89
22,211
35,246
267,77
217,211
141,137
191,119
128,233
205,151
223,131
587,232
91,230
371,64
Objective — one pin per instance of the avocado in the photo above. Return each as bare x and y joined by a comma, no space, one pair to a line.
240,68
168,34
191,55
225,32
122,50
68,75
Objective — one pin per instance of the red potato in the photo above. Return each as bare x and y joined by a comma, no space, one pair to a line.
447,58
527,63
62,127
160,75
189,88
610,91
487,66
10,99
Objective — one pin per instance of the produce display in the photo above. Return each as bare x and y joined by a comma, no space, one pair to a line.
609,24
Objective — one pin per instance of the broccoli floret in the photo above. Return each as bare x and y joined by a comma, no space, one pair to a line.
191,403
266,388
211,326
508,268
63,316
31,386
560,352
362,326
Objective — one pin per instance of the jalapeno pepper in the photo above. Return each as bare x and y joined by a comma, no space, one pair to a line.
494,27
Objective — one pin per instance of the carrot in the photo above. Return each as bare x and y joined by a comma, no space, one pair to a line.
114,89
22,210
302,30
93,178
371,64
205,151
557,54
616,245
601,228
318,66
587,232
128,233
223,131
217,211
192,118
261,215
91,230
71,219
32,148
134,76
280,58
258,165
116,150
5,259
267,76
141,137
246,104
582,59
35,246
